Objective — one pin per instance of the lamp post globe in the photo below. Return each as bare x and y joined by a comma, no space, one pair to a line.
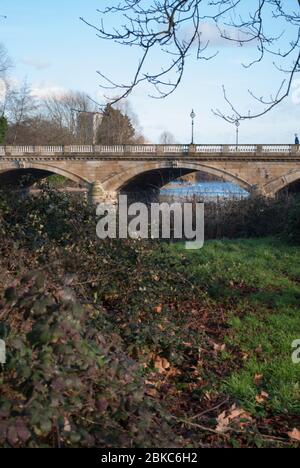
193,116
237,125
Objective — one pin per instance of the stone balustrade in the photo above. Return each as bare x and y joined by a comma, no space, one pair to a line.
157,151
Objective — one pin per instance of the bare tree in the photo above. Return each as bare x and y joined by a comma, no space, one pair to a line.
71,111
52,121
5,65
21,106
167,138
38,130
175,28
5,61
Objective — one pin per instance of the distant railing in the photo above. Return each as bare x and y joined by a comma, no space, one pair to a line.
154,150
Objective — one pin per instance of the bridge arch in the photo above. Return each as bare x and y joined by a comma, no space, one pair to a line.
278,184
40,170
151,173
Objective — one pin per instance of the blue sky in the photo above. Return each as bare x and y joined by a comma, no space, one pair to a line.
55,50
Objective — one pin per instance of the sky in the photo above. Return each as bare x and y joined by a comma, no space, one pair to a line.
55,52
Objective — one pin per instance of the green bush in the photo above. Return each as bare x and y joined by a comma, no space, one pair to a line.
67,381
3,129
292,228
78,356
249,218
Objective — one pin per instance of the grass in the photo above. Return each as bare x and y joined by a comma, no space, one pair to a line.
272,336
258,280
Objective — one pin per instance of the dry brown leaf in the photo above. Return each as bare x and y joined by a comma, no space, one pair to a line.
245,356
161,364
258,379
172,372
223,422
236,415
294,435
152,392
67,425
219,348
262,397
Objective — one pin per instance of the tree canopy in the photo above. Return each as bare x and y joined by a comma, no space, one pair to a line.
3,129
115,128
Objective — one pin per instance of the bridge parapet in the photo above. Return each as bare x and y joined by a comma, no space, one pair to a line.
265,168
147,151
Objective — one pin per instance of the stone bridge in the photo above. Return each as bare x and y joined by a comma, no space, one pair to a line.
108,170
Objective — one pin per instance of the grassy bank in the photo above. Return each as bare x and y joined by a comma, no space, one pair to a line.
258,283
143,343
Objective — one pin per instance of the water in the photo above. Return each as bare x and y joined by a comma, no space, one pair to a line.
211,190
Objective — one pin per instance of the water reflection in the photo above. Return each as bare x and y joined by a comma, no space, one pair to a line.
210,190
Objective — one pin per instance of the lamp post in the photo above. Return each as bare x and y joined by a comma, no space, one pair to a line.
193,115
237,125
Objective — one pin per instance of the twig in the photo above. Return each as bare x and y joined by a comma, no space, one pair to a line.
200,415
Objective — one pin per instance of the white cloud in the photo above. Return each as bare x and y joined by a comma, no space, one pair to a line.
210,33
40,90
219,36
46,90
37,63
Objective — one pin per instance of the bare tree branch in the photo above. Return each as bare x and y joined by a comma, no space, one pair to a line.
176,29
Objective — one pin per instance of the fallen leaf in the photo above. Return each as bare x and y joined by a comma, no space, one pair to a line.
208,396
294,435
161,364
67,425
262,397
258,379
152,392
223,422
236,415
245,356
219,348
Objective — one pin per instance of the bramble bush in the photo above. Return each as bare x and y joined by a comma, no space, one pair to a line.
253,217
67,382
292,229
81,338
104,338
